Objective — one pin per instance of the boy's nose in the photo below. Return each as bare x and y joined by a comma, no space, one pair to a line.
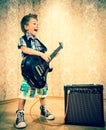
36,26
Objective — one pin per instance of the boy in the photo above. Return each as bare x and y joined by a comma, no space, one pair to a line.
29,26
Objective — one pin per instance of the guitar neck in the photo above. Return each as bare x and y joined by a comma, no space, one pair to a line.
54,53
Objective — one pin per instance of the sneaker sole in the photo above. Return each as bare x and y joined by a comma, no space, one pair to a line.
16,126
47,118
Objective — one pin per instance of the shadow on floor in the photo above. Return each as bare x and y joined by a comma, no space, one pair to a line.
33,119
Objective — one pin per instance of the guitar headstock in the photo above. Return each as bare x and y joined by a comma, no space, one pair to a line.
61,44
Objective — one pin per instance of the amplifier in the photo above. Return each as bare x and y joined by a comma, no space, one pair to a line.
84,104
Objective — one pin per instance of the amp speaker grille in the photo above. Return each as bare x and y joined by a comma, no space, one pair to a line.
84,105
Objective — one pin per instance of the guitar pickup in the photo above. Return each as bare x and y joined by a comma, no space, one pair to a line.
39,70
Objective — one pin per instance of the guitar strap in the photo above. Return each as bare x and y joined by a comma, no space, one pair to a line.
28,42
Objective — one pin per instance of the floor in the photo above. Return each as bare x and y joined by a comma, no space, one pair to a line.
33,119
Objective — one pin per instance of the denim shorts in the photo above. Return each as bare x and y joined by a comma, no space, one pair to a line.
27,93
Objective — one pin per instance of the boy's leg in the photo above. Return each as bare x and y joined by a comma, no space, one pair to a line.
24,94
21,104
44,112
20,123
43,101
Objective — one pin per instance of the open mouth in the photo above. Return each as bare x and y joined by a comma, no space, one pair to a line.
36,30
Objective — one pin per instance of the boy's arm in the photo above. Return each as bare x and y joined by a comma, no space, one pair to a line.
30,51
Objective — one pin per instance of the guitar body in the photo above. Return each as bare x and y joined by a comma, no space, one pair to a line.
34,70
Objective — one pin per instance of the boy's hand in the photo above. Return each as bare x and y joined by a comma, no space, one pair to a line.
45,57
30,51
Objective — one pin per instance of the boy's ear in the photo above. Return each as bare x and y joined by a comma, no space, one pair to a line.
26,27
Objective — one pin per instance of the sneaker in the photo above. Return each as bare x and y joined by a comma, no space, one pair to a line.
20,123
45,113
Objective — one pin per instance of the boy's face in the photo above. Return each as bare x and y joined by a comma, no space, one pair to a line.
32,26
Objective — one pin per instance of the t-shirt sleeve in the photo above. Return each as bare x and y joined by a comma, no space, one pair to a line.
21,43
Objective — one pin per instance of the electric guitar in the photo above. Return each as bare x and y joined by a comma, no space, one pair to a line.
34,69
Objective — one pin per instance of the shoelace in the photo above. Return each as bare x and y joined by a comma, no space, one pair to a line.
20,116
47,113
